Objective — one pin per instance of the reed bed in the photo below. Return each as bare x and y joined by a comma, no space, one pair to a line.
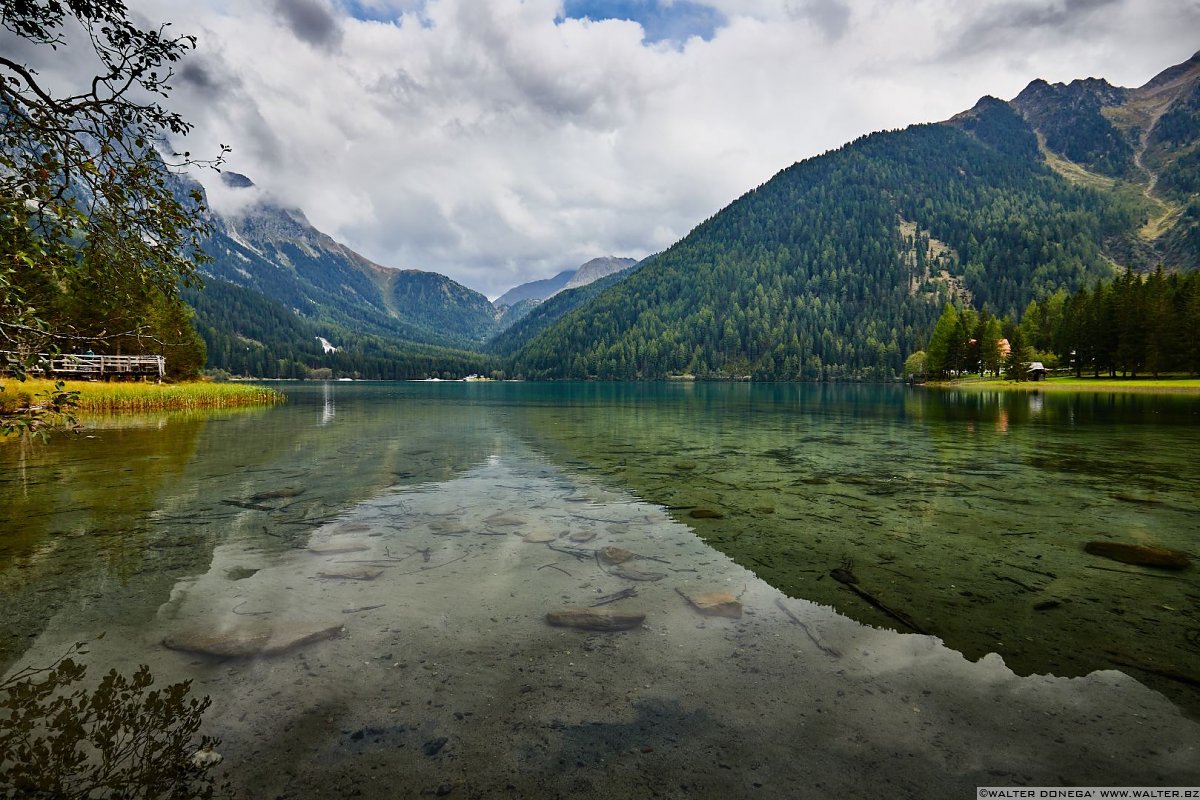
108,398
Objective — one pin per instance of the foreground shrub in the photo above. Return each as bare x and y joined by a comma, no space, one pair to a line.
120,740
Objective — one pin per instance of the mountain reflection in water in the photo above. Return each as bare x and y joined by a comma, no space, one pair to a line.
397,559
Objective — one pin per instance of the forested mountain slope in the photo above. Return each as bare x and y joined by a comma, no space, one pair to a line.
248,333
545,314
276,251
824,271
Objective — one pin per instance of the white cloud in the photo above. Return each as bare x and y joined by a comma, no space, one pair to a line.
479,139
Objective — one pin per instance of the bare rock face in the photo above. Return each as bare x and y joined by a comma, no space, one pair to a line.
1143,555
250,640
715,604
595,619
596,269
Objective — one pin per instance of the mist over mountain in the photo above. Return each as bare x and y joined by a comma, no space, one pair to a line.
837,266
535,290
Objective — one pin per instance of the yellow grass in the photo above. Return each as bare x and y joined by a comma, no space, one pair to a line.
108,398
1085,384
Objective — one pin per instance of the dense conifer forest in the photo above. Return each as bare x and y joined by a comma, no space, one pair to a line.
249,334
1131,326
841,267
812,276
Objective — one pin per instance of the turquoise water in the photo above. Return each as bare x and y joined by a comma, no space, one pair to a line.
420,532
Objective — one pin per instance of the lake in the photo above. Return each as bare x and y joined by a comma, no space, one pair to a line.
848,590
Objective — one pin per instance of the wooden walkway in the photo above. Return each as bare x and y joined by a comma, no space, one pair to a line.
86,365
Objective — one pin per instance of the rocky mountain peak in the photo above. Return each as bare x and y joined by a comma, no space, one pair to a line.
598,268
235,180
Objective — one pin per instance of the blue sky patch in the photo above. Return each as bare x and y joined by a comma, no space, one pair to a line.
662,21
388,11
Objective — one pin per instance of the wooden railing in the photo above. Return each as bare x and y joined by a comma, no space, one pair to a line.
87,365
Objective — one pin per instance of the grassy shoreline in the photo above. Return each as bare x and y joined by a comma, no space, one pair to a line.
108,398
1073,384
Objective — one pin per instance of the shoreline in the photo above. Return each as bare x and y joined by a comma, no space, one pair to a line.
1080,385
107,398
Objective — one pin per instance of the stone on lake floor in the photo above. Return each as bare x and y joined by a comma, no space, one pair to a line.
336,548
503,520
276,494
448,527
250,640
595,619
353,527
632,573
705,513
1142,555
539,537
615,555
240,573
582,537
350,574
715,604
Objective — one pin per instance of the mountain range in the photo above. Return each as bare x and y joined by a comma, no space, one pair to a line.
835,268
589,272
294,287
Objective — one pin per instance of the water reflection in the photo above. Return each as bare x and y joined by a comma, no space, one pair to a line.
967,511
404,651
152,500
328,409
399,557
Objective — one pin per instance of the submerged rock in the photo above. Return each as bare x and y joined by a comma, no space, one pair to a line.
632,573
451,526
715,604
246,641
581,537
206,757
503,520
335,548
539,537
706,513
615,555
350,574
595,619
1143,555
276,494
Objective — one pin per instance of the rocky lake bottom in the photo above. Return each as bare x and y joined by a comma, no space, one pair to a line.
486,618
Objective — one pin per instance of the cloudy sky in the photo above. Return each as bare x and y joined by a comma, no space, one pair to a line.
499,141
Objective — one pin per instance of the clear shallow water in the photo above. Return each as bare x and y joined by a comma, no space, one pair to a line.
961,513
